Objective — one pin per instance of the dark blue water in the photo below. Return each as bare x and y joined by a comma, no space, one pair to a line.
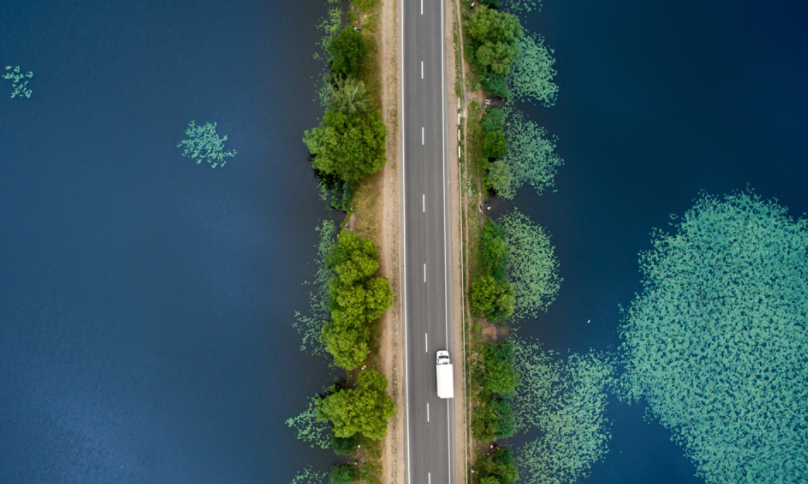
658,101
146,302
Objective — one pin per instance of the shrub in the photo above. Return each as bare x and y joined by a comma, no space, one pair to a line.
343,445
342,474
494,119
494,144
348,50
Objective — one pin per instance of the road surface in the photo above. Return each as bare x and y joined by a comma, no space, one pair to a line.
427,243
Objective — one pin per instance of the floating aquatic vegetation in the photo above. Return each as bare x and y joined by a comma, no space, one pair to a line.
566,401
717,341
532,265
15,76
311,326
530,155
204,144
309,476
310,429
330,26
520,6
532,73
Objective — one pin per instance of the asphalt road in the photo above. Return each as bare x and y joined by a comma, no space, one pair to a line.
427,243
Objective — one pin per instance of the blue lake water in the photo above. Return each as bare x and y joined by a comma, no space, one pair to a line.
658,102
146,302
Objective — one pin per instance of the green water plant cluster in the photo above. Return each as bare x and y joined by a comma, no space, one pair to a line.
531,155
16,77
309,428
716,343
532,72
491,293
310,326
358,300
309,476
565,400
532,265
203,144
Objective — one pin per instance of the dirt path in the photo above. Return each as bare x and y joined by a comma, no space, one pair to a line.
390,244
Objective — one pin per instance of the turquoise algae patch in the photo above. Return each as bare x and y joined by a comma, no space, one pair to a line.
565,400
16,77
717,342
204,144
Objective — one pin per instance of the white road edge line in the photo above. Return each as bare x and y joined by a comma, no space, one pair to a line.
445,246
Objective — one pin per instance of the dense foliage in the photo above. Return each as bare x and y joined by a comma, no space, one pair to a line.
493,119
491,294
348,50
499,176
358,299
532,73
530,156
494,144
532,265
204,144
360,410
566,402
348,145
348,95
499,376
343,474
496,468
344,445
717,341
494,35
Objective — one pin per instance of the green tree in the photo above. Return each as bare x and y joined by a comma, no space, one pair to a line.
363,409
358,299
494,250
495,35
348,95
494,144
348,145
492,298
342,474
348,50
499,377
499,466
495,85
343,445
494,119
499,176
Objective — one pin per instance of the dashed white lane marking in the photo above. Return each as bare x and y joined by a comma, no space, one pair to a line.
422,135
423,202
427,411
426,342
422,69
424,272
422,7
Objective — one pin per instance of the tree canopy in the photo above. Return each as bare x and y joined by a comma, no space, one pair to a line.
495,35
363,409
499,377
358,299
348,145
348,50
348,95
494,144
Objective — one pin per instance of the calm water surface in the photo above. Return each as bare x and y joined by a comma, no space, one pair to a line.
146,302
658,101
